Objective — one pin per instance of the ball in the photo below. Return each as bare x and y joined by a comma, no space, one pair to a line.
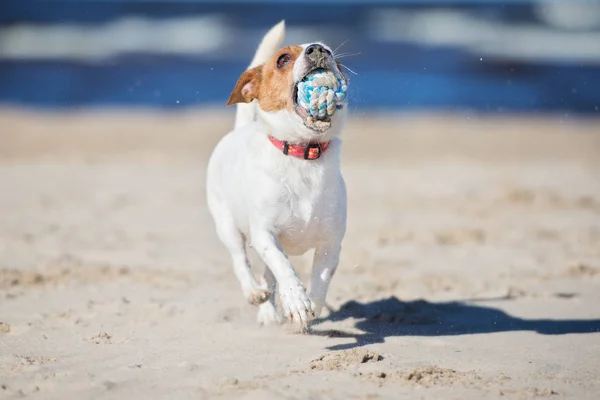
321,93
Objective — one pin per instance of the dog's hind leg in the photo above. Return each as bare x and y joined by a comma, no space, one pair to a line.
267,312
235,242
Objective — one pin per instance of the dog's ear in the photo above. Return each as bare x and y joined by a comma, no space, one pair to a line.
246,88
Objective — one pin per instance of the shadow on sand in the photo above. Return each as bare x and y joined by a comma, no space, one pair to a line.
391,317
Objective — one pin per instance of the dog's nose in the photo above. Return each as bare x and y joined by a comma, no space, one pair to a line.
316,52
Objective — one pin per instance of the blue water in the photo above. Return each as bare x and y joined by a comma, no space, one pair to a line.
390,75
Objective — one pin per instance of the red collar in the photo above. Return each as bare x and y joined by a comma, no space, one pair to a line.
311,151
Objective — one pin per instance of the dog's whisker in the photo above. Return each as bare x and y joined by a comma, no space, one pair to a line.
337,57
340,46
348,69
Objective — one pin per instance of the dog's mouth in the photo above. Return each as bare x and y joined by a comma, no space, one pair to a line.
316,113
303,113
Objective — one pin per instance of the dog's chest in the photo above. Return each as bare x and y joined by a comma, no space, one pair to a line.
302,215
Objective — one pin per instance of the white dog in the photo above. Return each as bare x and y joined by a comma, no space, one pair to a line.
275,183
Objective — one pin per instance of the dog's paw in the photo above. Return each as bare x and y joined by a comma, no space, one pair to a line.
258,296
317,306
268,315
296,304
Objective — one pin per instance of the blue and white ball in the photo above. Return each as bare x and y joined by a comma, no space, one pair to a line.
321,93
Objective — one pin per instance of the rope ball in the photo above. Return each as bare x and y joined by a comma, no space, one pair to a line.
321,93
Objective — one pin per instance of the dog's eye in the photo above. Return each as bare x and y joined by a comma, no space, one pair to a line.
283,60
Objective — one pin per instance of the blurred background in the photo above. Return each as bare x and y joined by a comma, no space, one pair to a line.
472,166
481,55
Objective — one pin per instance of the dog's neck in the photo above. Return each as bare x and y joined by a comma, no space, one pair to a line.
287,127
310,151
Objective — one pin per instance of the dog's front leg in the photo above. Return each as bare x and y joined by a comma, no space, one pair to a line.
294,300
325,263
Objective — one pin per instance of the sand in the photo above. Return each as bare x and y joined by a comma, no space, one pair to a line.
470,270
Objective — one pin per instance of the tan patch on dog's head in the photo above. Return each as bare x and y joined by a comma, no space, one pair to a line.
271,83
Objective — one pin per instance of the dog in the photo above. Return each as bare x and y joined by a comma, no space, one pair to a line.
274,182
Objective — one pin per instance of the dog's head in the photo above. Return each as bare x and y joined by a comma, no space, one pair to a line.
274,85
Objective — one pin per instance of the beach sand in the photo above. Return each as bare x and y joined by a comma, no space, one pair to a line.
470,268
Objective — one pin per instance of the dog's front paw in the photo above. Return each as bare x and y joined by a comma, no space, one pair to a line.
296,304
317,305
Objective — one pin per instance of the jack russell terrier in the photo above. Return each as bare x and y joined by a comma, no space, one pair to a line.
274,182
